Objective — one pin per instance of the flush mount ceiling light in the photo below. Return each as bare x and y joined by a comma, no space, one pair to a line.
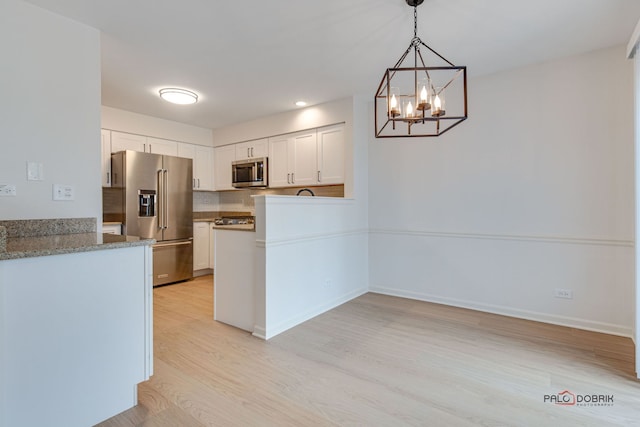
301,103
410,101
178,96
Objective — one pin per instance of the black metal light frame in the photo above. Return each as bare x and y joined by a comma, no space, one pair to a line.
439,124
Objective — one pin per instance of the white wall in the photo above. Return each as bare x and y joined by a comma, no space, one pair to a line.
632,53
140,124
533,192
49,112
312,257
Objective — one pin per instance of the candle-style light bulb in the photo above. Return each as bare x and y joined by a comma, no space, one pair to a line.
437,109
423,104
393,106
409,110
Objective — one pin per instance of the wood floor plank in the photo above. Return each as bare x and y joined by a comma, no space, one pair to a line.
377,361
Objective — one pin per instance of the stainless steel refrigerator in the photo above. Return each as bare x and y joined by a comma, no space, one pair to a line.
157,202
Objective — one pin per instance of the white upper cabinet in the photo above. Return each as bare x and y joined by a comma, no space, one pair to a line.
202,164
121,141
331,155
223,157
105,139
305,162
293,160
251,149
126,141
278,162
161,146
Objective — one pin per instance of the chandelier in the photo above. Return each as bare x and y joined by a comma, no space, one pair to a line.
415,100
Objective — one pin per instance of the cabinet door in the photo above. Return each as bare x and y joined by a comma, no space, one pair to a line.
279,175
105,140
188,151
331,155
223,156
243,150
203,168
212,246
251,149
200,245
162,146
126,141
305,165
260,148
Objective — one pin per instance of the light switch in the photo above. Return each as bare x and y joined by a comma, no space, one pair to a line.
63,192
35,171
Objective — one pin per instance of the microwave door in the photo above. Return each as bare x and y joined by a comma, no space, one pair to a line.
243,173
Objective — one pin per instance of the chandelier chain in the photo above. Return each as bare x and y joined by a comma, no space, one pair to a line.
415,21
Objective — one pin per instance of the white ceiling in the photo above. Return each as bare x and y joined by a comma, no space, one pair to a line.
253,58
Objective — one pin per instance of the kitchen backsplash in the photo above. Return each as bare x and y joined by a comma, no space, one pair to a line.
204,201
242,201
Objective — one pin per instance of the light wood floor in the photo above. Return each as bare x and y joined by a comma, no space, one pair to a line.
377,361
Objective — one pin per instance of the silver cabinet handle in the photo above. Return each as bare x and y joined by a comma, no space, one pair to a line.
288,178
248,151
293,178
194,182
319,176
251,151
198,182
108,178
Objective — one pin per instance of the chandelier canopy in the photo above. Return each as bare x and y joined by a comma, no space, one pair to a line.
411,101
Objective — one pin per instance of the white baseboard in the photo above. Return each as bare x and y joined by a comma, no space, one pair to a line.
271,332
572,322
259,332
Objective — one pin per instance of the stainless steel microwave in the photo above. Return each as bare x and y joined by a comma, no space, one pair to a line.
250,173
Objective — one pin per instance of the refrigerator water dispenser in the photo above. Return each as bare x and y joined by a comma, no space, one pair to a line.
146,203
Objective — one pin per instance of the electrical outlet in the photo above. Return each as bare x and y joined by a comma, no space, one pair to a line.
563,293
7,190
63,192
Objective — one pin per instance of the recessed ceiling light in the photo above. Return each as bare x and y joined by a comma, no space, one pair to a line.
178,96
301,103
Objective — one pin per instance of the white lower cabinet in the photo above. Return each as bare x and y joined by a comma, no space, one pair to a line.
212,246
201,244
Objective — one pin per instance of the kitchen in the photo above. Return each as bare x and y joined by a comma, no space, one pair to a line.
475,197
322,143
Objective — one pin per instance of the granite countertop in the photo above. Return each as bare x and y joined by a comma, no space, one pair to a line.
34,238
209,216
236,227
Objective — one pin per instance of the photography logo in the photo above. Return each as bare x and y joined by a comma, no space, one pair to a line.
567,398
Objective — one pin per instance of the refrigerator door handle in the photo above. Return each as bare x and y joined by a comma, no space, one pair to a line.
166,199
161,200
